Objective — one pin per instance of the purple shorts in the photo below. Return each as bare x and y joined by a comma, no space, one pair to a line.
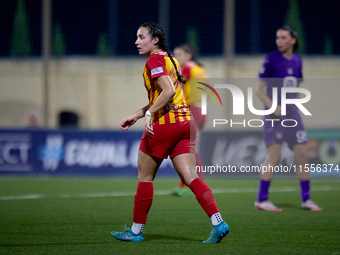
289,129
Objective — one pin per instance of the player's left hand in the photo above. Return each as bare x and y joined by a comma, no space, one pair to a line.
148,125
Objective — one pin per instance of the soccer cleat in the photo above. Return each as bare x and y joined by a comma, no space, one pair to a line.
219,231
266,206
127,235
310,205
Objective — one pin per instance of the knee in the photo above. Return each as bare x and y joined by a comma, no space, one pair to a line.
301,156
273,159
143,177
187,181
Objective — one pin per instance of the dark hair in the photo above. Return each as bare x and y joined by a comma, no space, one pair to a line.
156,30
191,50
293,34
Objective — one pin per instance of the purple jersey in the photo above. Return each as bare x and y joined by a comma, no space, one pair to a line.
278,71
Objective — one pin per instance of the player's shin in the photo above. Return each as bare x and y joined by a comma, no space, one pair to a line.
206,199
142,205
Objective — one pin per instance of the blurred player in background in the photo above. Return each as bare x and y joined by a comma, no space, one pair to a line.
169,131
287,66
191,68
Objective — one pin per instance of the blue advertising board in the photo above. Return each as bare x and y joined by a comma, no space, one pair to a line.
114,153
241,154
72,152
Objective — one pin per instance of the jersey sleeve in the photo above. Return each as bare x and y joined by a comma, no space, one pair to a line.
198,72
265,71
156,66
186,72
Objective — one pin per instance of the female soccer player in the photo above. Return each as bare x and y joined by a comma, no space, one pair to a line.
168,132
287,66
191,68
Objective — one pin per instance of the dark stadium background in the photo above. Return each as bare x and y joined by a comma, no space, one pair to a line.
82,22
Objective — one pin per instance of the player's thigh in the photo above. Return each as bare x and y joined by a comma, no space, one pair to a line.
295,132
274,153
147,166
273,133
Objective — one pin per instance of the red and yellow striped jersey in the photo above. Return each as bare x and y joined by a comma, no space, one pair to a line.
192,70
176,110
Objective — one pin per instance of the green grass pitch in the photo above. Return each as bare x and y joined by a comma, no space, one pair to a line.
76,216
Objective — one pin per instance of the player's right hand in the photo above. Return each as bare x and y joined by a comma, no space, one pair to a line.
127,122
277,112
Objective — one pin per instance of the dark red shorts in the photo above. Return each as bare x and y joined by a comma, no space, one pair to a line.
198,117
170,139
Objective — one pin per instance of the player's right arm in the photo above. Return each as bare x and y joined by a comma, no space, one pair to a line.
260,92
168,91
128,121
265,72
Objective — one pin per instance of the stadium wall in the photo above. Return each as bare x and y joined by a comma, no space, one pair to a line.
103,91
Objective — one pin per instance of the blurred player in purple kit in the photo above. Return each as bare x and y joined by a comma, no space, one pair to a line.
283,68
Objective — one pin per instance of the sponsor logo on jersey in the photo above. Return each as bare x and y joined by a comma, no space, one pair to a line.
290,71
157,70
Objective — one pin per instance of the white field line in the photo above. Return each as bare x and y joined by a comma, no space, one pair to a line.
159,192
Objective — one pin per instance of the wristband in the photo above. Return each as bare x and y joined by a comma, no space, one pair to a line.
148,113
